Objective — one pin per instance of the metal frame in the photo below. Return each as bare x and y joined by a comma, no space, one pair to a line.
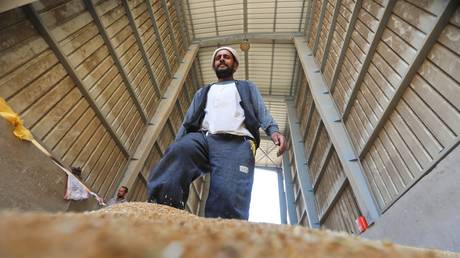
301,15
315,141
282,197
52,42
308,19
337,194
215,17
124,75
164,55
325,105
320,24
191,20
132,23
322,166
346,43
159,119
306,186
171,31
289,190
330,34
183,22
420,57
254,37
370,54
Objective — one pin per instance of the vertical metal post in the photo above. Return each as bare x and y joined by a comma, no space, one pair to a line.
303,174
282,197
289,190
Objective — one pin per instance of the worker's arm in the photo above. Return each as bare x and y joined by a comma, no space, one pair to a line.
267,123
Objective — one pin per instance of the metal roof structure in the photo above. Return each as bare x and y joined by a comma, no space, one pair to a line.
270,62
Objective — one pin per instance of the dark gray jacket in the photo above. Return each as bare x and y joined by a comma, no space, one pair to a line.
255,113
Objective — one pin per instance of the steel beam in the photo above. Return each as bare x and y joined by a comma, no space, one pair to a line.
308,19
336,193
160,119
322,166
246,65
183,24
289,190
164,55
271,68
116,59
330,34
6,5
320,24
52,42
325,105
191,20
170,27
253,37
301,15
149,66
306,186
245,16
345,44
282,197
370,54
408,76
215,17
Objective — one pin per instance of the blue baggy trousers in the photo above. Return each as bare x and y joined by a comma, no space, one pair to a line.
228,158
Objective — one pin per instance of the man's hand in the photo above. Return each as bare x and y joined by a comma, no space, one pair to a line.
278,139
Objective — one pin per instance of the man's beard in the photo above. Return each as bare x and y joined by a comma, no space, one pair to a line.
224,73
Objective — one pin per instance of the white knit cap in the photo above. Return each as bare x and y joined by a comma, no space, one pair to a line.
233,51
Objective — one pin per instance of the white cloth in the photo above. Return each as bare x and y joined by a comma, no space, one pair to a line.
75,190
223,112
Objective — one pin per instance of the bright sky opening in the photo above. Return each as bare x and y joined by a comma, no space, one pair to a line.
265,197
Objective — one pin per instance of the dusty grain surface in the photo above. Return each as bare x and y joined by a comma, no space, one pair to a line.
150,230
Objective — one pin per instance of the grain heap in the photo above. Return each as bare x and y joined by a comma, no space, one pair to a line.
149,230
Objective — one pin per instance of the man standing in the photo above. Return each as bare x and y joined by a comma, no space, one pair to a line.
220,135
121,196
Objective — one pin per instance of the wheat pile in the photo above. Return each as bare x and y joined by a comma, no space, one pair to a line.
150,230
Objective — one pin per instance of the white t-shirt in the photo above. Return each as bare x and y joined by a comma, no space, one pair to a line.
223,112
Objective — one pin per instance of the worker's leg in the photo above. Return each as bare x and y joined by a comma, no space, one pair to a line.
232,174
183,162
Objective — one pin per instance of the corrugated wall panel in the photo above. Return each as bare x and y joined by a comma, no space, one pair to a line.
116,23
53,107
342,215
426,120
166,37
336,207
343,20
151,43
325,26
176,27
316,11
363,33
